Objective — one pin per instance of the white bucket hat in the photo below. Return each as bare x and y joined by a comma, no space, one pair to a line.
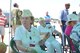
26,13
72,17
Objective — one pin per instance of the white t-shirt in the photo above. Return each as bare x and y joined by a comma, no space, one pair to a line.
46,29
23,35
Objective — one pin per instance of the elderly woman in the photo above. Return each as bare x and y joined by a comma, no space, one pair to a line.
50,43
26,36
72,20
75,32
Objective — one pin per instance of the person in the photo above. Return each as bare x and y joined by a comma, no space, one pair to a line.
63,16
27,37
2,24
16,15
51,43
75,33
70,24
47,18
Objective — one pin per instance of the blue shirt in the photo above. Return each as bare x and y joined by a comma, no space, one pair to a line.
64,14
47,18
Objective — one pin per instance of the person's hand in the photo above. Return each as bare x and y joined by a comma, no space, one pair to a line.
55,32
32,50
47,35
50,27
41,42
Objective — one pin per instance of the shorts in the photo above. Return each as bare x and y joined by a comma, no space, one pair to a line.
2,30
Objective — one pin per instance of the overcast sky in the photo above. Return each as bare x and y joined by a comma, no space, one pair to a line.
39,7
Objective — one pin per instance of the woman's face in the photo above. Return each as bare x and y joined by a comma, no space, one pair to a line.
73,23
26,21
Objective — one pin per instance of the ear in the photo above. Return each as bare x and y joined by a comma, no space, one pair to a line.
20,19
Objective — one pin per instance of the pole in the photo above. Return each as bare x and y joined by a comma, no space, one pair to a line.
10,24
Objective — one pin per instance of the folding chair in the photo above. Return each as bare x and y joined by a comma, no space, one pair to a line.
13,46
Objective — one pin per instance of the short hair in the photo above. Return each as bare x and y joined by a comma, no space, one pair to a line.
67,4
15,5
0,10
32,17
69,22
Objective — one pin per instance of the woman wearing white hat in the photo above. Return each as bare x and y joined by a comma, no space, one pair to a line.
50,43
72,20
26,36
75,33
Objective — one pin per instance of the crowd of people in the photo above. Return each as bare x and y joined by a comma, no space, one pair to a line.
30,39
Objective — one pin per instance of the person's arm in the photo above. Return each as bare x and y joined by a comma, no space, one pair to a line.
20,47
5,21
62,14
74,36
17,39
42,41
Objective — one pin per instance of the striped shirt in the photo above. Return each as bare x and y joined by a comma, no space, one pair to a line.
2,20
